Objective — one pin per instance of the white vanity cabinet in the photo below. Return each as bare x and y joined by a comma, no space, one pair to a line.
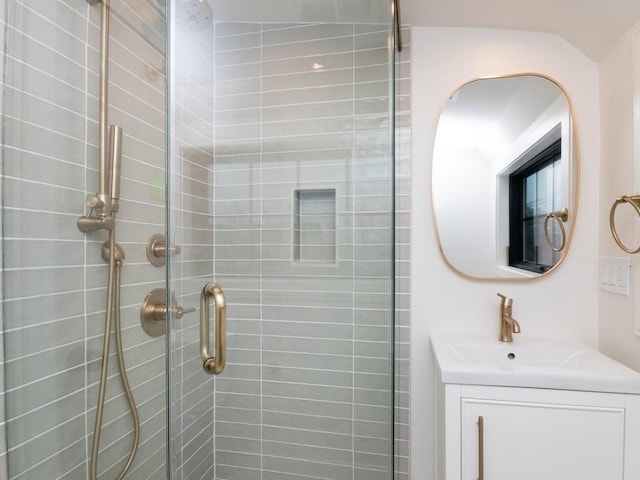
535,434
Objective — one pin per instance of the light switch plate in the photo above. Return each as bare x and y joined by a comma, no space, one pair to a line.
615,274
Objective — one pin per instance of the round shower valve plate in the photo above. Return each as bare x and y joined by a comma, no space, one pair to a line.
157,243
153,313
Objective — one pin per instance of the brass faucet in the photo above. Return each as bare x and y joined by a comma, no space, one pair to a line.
508,324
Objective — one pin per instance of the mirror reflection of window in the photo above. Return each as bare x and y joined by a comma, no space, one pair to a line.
534,192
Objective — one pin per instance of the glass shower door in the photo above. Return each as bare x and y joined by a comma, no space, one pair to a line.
281,192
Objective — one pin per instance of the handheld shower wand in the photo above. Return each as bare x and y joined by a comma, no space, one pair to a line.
105,203
115,160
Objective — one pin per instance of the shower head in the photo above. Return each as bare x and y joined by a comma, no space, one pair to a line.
193,15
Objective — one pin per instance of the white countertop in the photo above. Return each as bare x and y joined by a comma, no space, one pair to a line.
530,362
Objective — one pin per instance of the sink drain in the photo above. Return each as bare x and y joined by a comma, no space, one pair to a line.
511,356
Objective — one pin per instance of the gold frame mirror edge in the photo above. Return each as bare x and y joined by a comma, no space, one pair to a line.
575,182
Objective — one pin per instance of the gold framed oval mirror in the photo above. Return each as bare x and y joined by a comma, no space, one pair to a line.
505,177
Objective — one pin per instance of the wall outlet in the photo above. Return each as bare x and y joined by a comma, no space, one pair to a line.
615,274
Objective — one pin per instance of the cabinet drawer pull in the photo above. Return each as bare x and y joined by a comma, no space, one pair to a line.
480,448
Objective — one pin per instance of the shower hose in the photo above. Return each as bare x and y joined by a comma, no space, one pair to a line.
113,314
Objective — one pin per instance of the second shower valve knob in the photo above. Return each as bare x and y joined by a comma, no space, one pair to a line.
157,250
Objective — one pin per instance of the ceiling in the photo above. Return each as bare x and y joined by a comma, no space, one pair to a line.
593,26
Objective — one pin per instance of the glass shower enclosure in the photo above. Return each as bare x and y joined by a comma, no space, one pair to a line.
281,181
257,156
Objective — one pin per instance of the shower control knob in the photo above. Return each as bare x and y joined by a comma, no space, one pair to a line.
157,250
153,313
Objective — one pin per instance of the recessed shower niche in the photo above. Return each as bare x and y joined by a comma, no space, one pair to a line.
314,226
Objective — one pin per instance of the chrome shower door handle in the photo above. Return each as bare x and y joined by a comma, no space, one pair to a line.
213,364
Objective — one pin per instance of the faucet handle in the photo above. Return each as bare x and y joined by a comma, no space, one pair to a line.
506,301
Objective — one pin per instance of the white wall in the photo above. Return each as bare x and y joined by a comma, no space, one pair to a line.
562,304
466,173
616,313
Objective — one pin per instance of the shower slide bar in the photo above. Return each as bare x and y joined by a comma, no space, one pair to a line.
104,203
102,215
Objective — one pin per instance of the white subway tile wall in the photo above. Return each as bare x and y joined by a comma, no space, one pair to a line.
306,393
54,278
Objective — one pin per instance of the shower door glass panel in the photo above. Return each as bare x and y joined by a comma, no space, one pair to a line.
281,191
53,276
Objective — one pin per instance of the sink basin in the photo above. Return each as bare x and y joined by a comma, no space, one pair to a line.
530,362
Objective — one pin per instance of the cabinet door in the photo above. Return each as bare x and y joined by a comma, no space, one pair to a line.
535,441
